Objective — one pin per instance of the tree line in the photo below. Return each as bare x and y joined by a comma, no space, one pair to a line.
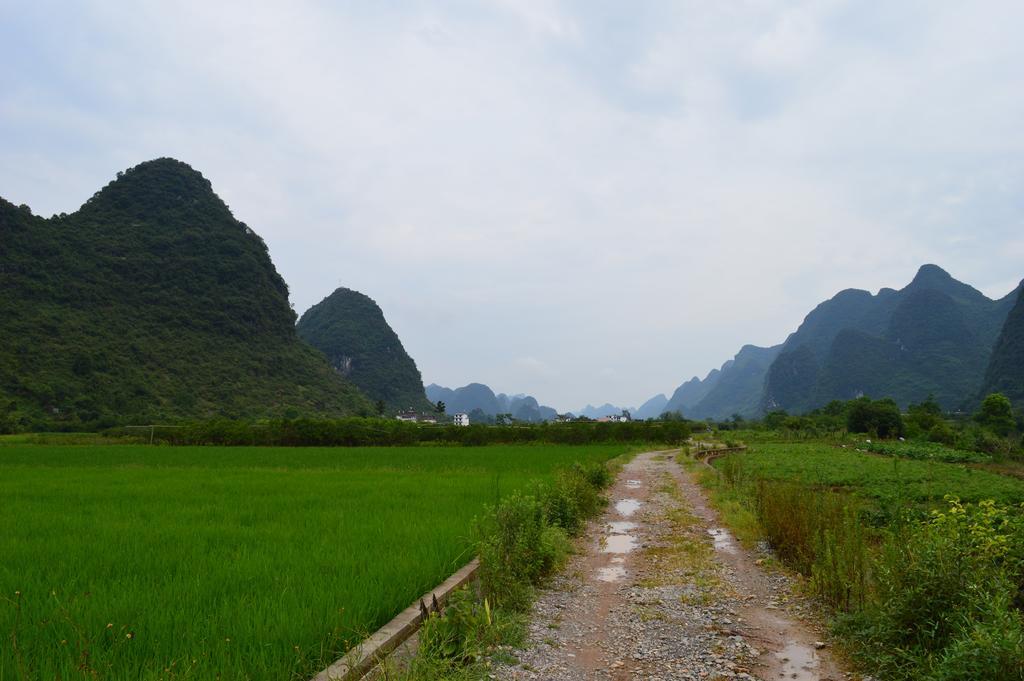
372,432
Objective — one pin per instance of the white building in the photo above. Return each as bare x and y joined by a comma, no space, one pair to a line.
460,419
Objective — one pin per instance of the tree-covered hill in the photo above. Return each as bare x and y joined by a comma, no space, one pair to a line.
150,302
1005,372
687,395
350,329
933,337
733,389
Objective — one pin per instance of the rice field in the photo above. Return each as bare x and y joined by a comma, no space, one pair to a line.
133,562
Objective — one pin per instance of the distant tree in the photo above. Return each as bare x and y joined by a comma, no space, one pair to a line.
996,414
671,416
834,408
478,417
380,407
774,420
626,415
925,416
880,417
942,433
439,407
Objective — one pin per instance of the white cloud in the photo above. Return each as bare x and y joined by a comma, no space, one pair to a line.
537,191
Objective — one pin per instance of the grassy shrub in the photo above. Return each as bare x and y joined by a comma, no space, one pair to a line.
575,496
933,596
786,514
521,541
517,549
989,643
598,475
820,534
840,573
525,537
469,629
945,603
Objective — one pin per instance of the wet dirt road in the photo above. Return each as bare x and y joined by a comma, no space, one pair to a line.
660,590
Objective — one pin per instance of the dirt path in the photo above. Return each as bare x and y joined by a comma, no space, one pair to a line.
659,591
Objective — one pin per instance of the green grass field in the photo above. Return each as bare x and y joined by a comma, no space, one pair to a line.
888,482
134,562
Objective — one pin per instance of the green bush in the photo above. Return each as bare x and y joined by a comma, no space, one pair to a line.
518,548
989,643
945,591
575,496
468,627
942,434
525,537
598,475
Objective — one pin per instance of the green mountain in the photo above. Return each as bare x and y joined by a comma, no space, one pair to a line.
151,302
690,393
733,389
652,408
739,385
1005,371
350,329
932,337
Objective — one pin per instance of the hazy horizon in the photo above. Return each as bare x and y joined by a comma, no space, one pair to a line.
582,202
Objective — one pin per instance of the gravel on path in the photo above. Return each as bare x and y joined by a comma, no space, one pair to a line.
659,590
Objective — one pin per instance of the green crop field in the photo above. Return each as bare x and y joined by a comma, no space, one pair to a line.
885,480
135,562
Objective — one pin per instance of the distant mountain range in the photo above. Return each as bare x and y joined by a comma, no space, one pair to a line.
734,388
151,302
933,337
606,409
652,408
480,398
350,329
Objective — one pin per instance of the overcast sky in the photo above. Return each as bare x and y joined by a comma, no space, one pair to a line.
587,201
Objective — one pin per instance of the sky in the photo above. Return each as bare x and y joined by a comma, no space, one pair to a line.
584,201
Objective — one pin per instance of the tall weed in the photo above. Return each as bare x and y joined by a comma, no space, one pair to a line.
946,591
935,597
521,540
819,533
525,537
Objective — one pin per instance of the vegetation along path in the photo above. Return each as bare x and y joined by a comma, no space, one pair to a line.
659,590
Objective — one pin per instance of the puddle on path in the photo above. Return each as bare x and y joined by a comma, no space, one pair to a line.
619,543
627,507
611,574
799,662
723,540
633,483
621,527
